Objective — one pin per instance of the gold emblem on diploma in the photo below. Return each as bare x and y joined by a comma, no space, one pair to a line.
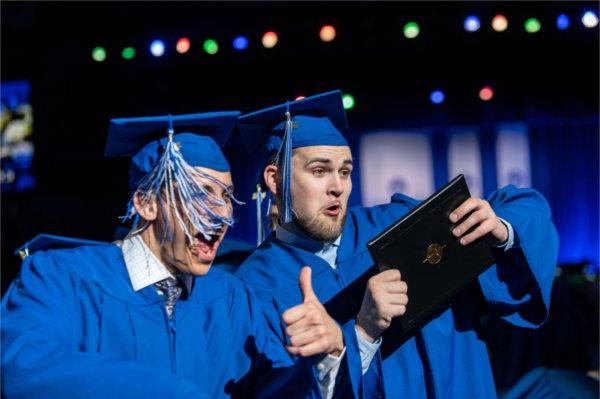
434,254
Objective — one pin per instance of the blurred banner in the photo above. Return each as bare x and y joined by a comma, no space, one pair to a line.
512,155
395,162
16,147
464,156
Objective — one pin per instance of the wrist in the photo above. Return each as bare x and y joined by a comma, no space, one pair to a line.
338,346
364,333
500,233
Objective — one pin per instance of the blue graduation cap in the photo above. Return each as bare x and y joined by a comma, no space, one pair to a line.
165,151
276,131
43,242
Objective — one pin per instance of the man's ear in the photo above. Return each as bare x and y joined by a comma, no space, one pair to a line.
147,209
271,178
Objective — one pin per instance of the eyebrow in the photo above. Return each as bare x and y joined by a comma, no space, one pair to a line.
328,161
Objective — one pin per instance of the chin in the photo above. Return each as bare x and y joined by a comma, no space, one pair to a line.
200,268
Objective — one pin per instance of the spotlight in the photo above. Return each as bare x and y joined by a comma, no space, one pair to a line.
210,46
472,23
183,45
486,93
411,30
128,53
327,33
499,23
269,39
533,25
348,101
562,22
589,19
437,97
157,48
240,43
99,54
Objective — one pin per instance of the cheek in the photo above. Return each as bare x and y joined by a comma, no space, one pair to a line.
308,191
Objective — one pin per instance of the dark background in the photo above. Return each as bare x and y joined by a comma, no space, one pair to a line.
549,80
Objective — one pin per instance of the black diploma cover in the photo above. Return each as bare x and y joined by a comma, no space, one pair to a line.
430,258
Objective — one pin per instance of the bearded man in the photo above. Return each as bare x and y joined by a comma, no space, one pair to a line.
309,174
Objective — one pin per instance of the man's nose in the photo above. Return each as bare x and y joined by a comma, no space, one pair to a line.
336,188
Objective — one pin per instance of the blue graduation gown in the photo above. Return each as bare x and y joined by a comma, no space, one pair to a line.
447,357
72,326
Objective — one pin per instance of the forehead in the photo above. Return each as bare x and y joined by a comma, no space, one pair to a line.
224,177
323,151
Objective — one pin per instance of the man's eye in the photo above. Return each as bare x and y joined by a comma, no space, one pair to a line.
318,172
345,172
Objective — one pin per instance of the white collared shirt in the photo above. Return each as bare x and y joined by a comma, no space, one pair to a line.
143,266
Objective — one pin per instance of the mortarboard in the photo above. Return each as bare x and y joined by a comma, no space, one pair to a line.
165,151
43,242
277,130
199,137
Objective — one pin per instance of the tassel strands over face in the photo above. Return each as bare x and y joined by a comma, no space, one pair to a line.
181,197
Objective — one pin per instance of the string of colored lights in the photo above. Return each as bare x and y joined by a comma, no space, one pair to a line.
328,33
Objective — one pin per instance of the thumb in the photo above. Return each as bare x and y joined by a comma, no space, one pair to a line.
306,284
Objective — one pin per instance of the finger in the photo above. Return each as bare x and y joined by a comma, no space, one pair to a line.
306,284
311,349
479,232
389,275
300,326
293,350
395,287
396,310
305,338
292,315
464,209
473,219
399,299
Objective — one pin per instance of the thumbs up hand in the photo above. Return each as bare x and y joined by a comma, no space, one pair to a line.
310,328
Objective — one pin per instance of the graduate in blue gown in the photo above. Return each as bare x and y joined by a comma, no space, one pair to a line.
147,317
308,173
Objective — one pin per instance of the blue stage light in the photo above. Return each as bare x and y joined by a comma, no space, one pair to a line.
472,23
157,48
562,22
240,43
437,97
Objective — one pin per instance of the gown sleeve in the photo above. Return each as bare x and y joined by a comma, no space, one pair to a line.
518,286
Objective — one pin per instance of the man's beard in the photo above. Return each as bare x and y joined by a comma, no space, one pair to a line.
320,230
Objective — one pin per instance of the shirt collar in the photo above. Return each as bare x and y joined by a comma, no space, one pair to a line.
143,266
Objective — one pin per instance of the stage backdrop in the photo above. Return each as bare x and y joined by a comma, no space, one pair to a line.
558,157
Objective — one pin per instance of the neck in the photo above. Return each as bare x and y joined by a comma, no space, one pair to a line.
148,235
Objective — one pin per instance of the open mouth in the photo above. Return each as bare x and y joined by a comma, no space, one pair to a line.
205,248
333,210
